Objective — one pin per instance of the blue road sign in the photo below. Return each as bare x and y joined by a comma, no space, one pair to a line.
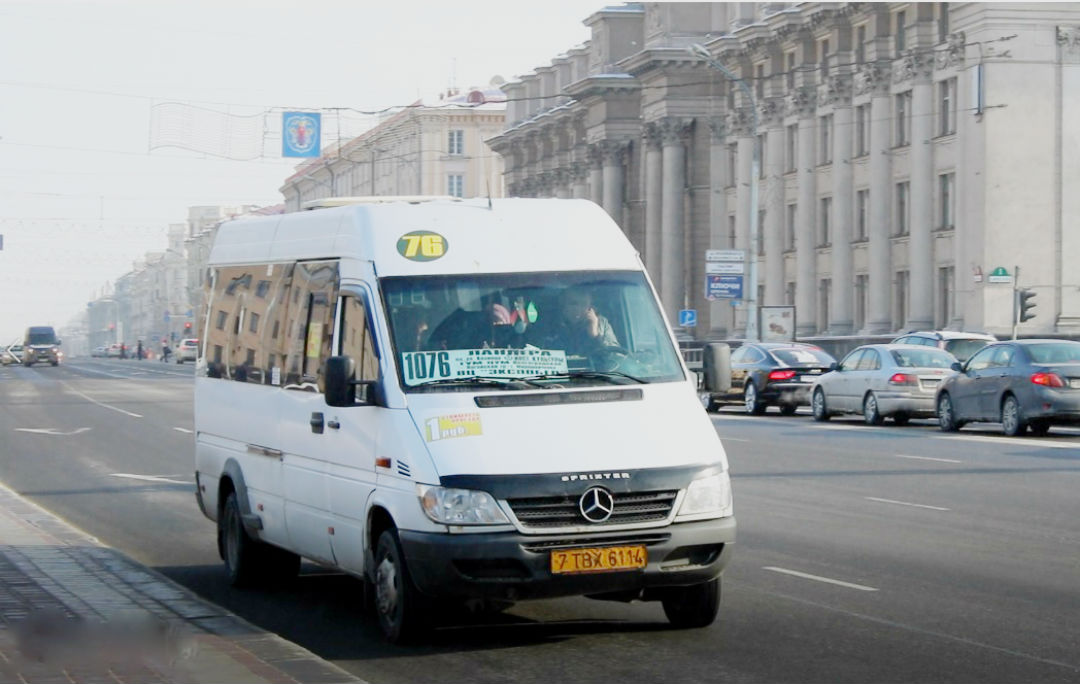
723,286
688,318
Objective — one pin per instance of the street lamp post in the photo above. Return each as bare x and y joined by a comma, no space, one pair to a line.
702,53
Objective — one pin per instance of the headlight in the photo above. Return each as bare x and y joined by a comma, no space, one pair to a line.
460,506
708,497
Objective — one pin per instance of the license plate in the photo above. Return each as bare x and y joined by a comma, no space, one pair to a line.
1074,383
605,559
931,381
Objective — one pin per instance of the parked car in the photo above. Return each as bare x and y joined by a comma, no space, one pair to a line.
960,344
187,350
1020,383
880,381
11,354
99,352
773,373
115,351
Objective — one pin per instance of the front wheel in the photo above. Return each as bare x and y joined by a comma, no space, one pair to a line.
693,606
817,405
946,414
397,601
240,550
1011,422
750,400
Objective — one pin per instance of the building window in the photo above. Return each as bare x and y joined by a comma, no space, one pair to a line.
277,329
789,233
253,322
862,215
946,295
789,293
900,314
947,200
942,21
731,230
862,292
456,143
860,44
825,126
826,214
903,209
759,78
862,130
733,164
900,29
824,294
792,147
947,107
823,57
790,75
903,119
262,288
455,185
222,316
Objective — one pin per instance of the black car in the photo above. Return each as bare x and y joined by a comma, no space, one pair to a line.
773,374
1020,383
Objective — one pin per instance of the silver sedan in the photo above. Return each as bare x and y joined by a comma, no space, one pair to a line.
881,381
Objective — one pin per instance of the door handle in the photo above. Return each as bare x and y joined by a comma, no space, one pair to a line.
317,423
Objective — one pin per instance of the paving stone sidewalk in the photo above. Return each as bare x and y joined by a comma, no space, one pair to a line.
74,611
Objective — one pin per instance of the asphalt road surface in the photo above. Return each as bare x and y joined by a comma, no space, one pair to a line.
878,554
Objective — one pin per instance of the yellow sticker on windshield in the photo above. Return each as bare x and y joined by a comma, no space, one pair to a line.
422,245
454,425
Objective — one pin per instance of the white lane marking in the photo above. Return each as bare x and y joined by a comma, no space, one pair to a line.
95,401
816,578
905,503
733,439
1012,441
929,458
188,432
841,426
52,431
151,478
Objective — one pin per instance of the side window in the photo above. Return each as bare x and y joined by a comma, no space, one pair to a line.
906,340
982,360
1003,357
851,361
310,323
738,355
754,356
226,311
869,361
356,339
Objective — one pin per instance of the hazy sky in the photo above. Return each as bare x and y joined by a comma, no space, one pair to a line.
82,195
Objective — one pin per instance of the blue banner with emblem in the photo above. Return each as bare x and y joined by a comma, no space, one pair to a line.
300,133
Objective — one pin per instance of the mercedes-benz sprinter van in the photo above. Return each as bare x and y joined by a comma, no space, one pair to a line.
40,345
455,400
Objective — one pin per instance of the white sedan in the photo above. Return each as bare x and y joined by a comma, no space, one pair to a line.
187,350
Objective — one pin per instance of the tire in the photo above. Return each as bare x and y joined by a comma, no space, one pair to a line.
713,406
751,403
1012,422
788,409
1039,428
398,605
946,414
694,606
870,411
240,551
901,419
818,407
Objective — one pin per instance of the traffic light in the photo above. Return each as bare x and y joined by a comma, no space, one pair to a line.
187,326
1025,304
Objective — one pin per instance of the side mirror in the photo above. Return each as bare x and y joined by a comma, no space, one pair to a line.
834,366
57,342
957,366
340,389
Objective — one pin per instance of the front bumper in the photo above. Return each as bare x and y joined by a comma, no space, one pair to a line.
512,566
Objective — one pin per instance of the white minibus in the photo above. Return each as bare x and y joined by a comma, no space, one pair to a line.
456,401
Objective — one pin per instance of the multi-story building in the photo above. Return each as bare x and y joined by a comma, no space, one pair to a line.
423,149
907,152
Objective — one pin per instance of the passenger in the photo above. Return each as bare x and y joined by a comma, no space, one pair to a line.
579,329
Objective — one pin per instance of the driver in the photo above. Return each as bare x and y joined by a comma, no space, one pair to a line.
581,329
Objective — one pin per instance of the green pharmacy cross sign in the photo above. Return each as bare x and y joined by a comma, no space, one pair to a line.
999,275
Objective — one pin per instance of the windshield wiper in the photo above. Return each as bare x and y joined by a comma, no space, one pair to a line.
479,380
589,375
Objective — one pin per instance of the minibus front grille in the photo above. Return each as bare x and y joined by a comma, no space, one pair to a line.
564,511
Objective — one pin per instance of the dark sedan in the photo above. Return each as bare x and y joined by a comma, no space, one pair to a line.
774,374
1020,383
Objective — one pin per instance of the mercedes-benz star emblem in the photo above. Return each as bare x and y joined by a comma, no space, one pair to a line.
596,504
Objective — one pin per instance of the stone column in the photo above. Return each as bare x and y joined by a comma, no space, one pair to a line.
742,126
879,316
962,275
841,311
772,113
579,180
653,195
613,153
921,241
562,183
720,316
804,102
674,132
596,175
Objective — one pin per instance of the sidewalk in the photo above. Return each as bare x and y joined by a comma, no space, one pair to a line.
72,610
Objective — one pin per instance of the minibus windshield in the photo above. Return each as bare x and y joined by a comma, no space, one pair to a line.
455,333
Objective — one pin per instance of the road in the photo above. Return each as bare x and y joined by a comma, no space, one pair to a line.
864,553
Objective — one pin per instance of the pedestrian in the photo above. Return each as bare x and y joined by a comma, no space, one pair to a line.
139,351
165,351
